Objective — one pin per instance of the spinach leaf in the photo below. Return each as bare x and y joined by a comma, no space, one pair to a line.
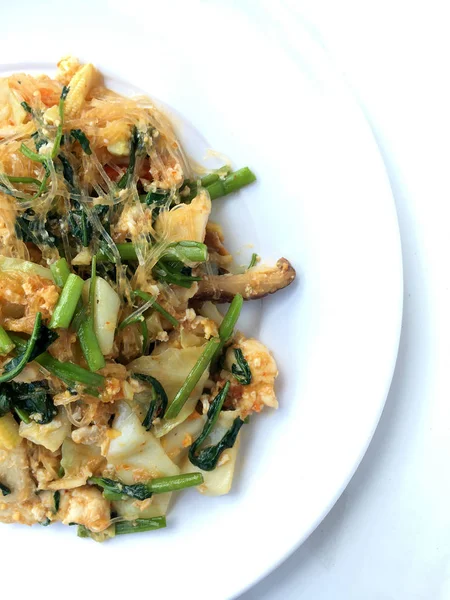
4,490
137,147
158,402
27,228
80,226
67,169
241,370
39,140
207,458
30,399
5,402
115,490
34,399
40,340
173,271
81,138
26,107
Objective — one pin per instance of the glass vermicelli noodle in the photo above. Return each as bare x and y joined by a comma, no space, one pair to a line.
121,381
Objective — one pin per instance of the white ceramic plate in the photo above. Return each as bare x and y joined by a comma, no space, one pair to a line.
256,86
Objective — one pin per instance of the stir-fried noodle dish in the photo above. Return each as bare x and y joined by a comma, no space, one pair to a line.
121,381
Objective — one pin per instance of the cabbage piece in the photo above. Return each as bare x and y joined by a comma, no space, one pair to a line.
79,463
171,368
131,509
176,443
50,435
136,454
10,107
24,266
218,482
106,312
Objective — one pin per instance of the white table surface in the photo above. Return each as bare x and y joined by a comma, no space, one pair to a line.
388,537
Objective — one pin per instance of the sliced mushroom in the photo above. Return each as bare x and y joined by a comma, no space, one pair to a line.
254,283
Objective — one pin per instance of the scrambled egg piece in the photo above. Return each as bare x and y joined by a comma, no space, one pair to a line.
185,221
85,506
260,392
22,296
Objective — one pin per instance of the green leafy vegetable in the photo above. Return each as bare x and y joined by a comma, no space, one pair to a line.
4,490
116,490
40,340
158,401
57,500
5,401
81,138
156,306
172,271
68,372
31,401
207,458
253,260
59,129
26,107
68,174
241,370
136,148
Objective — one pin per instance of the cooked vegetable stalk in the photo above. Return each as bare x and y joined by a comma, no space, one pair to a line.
192,379
4,489
156,306
233,182
102,536
116,490
128,176
186,251
59,129
42,158
221,173
67,371
17,364
131,319
159,401
67,303
28,180
207,458
140,525
6,344
60,271
86,333
230,319
22,415
240,369
253,260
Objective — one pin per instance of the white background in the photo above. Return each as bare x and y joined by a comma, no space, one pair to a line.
388,537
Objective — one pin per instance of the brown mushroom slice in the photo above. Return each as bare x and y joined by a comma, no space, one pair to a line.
254,283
